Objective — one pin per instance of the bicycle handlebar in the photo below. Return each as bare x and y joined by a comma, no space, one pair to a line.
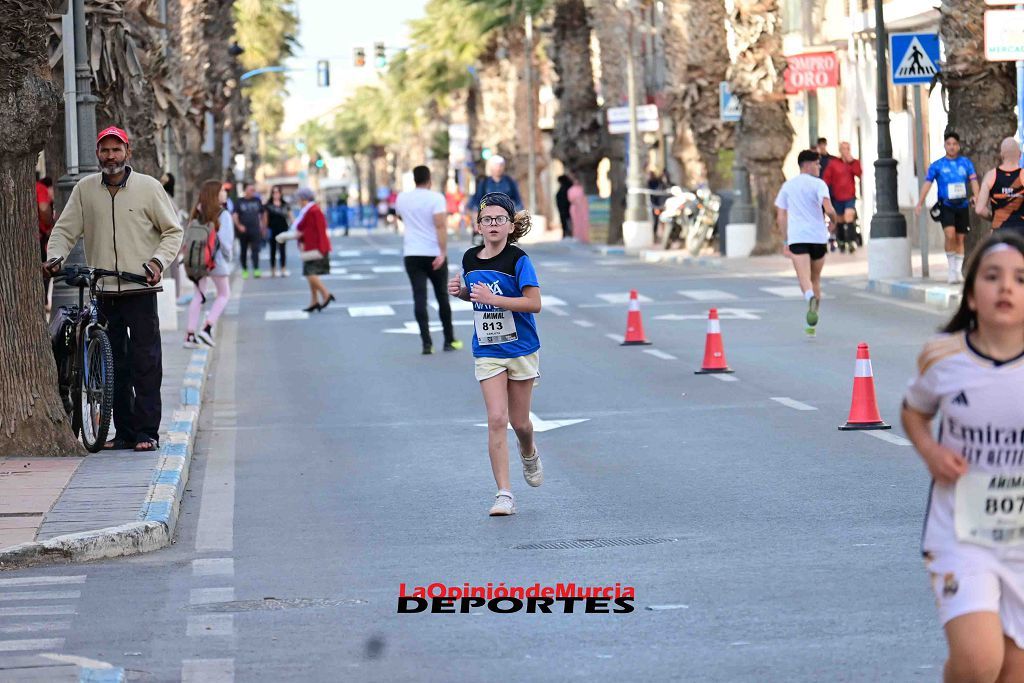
94,274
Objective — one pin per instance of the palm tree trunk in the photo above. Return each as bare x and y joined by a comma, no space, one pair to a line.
32,418
981,120
765,135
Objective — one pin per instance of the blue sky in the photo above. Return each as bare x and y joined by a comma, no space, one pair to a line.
331,29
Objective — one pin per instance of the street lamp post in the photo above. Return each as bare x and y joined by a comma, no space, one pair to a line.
636,229
889,251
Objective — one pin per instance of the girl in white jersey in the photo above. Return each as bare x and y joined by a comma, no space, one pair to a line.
973,542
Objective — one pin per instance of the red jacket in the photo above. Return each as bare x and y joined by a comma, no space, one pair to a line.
313,231
839,177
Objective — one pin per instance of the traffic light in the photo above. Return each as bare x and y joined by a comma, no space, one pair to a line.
323,73
380,55
360,57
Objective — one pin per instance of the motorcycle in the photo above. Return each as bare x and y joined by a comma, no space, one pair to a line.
690,217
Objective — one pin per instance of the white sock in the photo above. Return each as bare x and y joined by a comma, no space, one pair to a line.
959,263
951,259
808,295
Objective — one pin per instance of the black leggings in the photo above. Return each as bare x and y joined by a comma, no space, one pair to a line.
274,247
419,271
249,243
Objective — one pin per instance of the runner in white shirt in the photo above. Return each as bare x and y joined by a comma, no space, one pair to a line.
799,209
973,542
425,246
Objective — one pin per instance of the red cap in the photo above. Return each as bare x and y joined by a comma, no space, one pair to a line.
113,131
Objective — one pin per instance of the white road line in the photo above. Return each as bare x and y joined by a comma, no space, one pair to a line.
790,403
621,298
555,310
457,305
722,377
707,295
787,292
38,611
42,580
618,338
389,252
660,354
40,595
213,566
388,269
659,608
886,436
204,596
285,315
35,626
548,300
38,644
348,253
210,625
215,529
207,671
370,311
583,323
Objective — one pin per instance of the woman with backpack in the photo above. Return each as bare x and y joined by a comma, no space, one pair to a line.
208,245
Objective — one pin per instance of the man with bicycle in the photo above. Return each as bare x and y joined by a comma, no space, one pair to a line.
129,224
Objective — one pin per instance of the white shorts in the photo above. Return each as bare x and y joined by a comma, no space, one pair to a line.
971,578
520,368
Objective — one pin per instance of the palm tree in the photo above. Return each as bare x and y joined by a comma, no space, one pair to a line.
697,60
32,418
765,135
981,117
578,139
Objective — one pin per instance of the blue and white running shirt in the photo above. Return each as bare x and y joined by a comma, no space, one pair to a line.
954,176
506,275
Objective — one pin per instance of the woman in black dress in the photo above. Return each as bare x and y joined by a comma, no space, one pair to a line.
278,217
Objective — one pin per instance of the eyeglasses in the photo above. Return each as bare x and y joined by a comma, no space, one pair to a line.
488,221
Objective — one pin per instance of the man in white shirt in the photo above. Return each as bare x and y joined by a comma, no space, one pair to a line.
799,208
425,246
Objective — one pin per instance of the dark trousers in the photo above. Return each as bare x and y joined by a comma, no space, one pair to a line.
566,220
274,248
419,271
134,330
249,244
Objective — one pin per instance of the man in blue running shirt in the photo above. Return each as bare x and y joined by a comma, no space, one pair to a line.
953,173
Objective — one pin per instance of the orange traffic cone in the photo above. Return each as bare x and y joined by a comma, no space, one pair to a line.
864,409
714,350
634,324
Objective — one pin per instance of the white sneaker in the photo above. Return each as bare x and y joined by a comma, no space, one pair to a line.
190,342
284,272
206,337
951,277
504,504
533,470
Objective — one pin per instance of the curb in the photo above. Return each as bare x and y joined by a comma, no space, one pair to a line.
158,515
939,297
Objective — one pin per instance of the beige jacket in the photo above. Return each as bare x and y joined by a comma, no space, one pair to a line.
122,231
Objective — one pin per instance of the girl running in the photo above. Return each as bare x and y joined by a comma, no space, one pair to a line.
498,277
973,541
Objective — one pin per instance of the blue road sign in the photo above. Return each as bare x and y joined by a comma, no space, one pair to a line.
914,57
728,104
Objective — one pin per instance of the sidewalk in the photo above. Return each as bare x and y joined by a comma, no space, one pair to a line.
109,503
852,269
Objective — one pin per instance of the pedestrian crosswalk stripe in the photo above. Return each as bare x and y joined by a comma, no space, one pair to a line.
35,626
707,295
337,271
34,644
37,611
285,315
617,338
348,276
370,311
886,436
621,298
724,378
414,328
348,253
660,354
42,580
583,323
548,300
455,304
388,269
40,595
555,310
389,252
213,566
787,292
205,596
790,403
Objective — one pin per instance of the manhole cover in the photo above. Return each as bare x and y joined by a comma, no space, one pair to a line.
591,543
274,604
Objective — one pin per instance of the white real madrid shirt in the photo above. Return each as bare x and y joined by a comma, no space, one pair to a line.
980,403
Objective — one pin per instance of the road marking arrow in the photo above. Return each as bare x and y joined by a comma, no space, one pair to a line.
540,425
414,328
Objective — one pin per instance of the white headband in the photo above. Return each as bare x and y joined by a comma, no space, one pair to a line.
997,247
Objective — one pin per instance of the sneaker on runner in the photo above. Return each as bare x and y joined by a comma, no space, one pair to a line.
245,275
533,470
812,311
258,273
427,349
284,272
504,504
811,332
190,341
453,345
205,335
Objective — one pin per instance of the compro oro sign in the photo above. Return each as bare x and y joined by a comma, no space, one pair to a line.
811,70
1004,35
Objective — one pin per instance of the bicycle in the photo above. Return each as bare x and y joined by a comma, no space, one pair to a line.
84,357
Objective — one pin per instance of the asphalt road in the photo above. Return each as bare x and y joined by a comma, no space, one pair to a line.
335,462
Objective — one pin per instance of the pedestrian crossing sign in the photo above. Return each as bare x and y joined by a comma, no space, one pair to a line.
729,105
914,57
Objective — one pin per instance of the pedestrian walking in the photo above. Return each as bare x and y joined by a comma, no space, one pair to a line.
211,212
657,184
841,176
44,209
310,228
423,212
799,214
499,278
277,214
1002,190
953,173
579,211
973,375
494,181
129,224
562,203
250,224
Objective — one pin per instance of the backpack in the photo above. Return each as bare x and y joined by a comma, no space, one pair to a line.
200,244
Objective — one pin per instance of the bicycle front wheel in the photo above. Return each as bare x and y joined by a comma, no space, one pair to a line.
95,398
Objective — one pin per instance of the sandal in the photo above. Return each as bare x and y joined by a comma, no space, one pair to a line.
147,446
117,444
